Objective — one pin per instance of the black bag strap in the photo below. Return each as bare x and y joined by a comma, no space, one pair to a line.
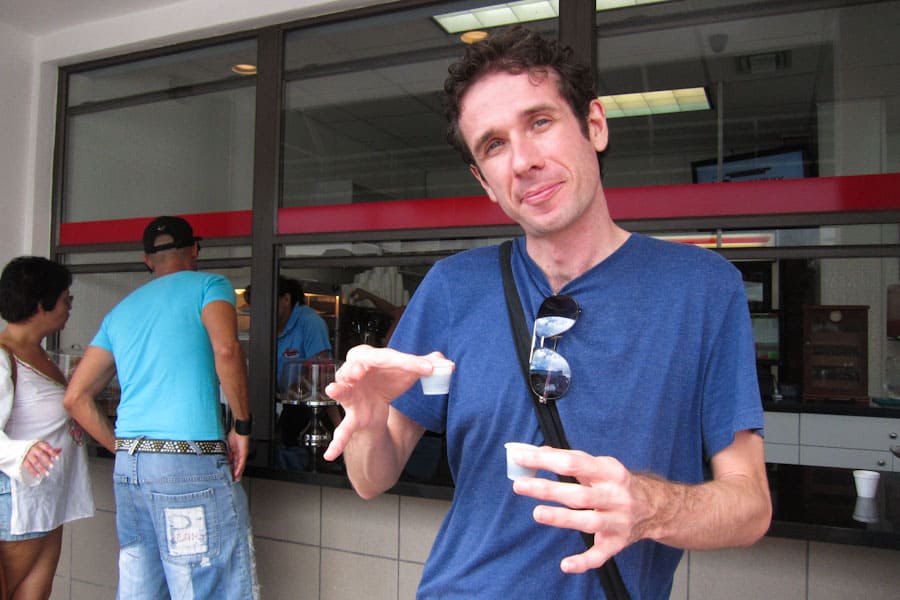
548,414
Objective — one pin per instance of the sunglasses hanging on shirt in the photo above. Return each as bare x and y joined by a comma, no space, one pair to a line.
548,371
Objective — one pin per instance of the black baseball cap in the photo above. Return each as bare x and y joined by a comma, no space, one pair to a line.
181,231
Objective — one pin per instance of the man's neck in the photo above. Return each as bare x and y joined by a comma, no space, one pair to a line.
282,322
169,268
565,256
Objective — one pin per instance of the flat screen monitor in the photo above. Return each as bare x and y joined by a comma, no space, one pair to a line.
784,163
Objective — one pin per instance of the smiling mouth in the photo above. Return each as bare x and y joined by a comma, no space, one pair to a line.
538,194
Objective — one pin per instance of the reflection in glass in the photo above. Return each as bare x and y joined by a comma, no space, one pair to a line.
180,70
190,155
363,116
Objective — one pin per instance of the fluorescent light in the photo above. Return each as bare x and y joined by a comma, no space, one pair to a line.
655,103
524,11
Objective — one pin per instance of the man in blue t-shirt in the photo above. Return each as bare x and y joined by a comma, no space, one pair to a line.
181,513
302,335
661,408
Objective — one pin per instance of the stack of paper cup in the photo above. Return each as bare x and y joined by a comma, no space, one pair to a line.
866,483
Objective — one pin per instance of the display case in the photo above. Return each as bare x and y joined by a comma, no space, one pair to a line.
835,352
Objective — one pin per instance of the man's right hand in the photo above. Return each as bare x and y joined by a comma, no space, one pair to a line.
238,449
365,386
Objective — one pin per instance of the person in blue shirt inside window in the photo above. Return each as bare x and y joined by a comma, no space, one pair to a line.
302,335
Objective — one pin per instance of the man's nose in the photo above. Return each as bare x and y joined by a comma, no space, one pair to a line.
526,154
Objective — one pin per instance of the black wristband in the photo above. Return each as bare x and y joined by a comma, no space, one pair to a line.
243,427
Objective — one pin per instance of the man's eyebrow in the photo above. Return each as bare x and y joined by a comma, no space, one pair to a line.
525,114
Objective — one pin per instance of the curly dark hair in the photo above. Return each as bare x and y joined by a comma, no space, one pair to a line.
27,281
285,286
516,50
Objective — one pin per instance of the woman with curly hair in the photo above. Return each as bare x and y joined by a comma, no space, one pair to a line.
43,462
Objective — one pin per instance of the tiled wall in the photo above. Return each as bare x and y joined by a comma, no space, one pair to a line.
327,544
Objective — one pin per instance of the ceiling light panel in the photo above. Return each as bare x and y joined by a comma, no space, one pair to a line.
655,103
525,11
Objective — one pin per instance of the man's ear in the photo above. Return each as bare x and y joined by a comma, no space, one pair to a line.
476,173
598,132
148,263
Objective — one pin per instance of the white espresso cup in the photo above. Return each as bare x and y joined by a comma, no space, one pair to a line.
438,382
513,469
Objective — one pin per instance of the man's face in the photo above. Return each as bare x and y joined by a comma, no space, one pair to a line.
532,156
285,306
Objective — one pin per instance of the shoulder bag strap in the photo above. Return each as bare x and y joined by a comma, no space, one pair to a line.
12,364
547,413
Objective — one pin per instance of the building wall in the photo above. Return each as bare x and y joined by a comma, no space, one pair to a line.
16,59
323,543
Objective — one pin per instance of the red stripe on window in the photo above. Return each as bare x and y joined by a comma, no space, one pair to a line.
466,211
858,193
205,225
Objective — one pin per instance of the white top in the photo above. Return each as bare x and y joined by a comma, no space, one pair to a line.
41,504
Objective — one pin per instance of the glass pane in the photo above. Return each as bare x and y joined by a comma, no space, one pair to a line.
825,235
803,92
384,248
185,155
134,256
172,71
363,119
97,293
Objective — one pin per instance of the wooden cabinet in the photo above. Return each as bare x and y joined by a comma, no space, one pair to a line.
835,351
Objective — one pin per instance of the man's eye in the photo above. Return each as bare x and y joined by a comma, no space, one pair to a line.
492,146
541,122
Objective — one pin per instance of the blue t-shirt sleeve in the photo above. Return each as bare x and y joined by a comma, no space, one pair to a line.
101,339
731,400
425,326
218,288
316,339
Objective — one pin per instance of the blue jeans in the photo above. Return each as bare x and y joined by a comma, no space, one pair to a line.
183,527
6,515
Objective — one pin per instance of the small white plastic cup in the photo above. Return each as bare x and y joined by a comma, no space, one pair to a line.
513,469
438,382
866,483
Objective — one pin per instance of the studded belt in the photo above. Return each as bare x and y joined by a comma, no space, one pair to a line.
132,445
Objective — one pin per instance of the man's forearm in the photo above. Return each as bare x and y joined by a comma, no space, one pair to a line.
83,408
732,511
232,372
375,459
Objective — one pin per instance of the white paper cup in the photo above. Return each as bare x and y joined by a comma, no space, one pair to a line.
513,469
866,483
439,381
865,511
